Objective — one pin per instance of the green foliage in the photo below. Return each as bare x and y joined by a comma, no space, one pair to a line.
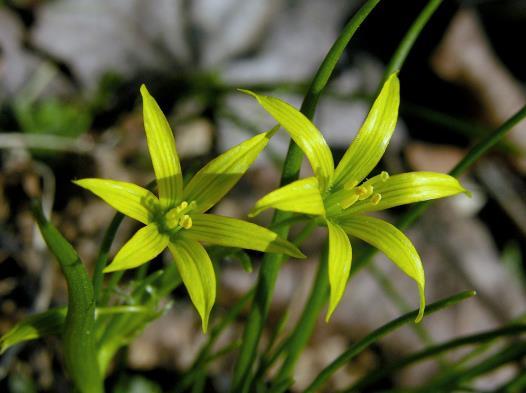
53,116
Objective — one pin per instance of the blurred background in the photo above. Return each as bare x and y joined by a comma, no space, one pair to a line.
70,73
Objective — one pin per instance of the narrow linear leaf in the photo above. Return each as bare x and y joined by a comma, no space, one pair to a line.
161,144
127,198
231,232
197,273
218,177
393,243
369,145
340,258
145,245
301,196
35,326
377,334
304,133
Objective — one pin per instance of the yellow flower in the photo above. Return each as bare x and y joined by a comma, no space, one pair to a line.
340,196
176,219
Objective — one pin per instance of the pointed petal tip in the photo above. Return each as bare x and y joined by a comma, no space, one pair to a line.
422,308
204,325
330,311
249,92
144,91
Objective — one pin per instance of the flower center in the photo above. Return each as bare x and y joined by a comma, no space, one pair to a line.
177,218
364,191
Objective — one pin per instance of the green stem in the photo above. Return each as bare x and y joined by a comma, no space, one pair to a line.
102,258
429,352
197,367
80,354
291,167
377,334
297,341
301,333
409,39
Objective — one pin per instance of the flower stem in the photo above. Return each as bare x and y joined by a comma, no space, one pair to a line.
291,167
80,355
377,334
303,329
409,39
102,258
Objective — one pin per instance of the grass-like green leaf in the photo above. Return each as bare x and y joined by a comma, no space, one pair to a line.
197,273
304,133
302,196
369,145
340,258
377,334
35,326
393,243
218,177
231,232
145,245
161,144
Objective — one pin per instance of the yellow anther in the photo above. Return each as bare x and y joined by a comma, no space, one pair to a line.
384,175
350,184
364,191
376,198
185,221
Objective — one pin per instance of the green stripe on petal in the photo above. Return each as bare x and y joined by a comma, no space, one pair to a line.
197,273
340,258
128,198
216,178
393,243
301,196
145,245
304,133
369,145
407,188
161,144
231,232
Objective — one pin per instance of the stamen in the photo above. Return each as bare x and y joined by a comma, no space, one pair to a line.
380,178
185,221
364,191
376,198
350,184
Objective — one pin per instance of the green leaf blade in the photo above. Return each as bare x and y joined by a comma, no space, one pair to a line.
145,245
304,133
393,243
161,144
197,272
218,177
231,232
302,196
35,326
340,258
370,143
